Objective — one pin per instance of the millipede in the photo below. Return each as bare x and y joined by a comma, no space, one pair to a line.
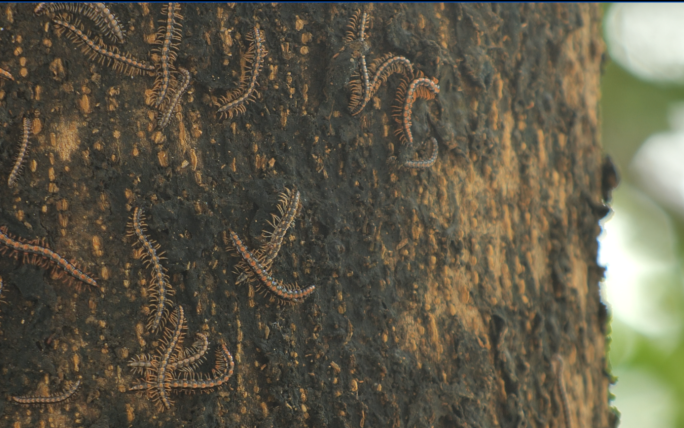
123,63
408,92
16,170
287,293
159,286
366,84
103,18
425,163
288,208
183,85
169,38
50,399
235,103
41,256
364,67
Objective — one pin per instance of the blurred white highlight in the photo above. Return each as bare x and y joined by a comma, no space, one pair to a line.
637,247
643,401
647,39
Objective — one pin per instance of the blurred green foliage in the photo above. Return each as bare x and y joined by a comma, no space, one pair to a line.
632,110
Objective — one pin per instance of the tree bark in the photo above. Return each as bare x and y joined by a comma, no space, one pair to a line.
444,295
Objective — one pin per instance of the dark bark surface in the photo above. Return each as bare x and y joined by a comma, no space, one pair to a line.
443,294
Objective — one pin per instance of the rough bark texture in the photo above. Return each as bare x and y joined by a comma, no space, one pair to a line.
443,294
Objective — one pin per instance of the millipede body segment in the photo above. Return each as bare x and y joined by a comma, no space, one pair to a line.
50,399
16,170
42,256
159,285
235,103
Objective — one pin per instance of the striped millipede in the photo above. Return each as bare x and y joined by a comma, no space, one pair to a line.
12,180
50,399
44,253
288,208
183,85
122,62
286,293
160,287
235,103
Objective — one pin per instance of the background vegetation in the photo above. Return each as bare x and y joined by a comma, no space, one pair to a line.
642,247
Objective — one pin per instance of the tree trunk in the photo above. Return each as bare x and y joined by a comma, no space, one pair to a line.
445,295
